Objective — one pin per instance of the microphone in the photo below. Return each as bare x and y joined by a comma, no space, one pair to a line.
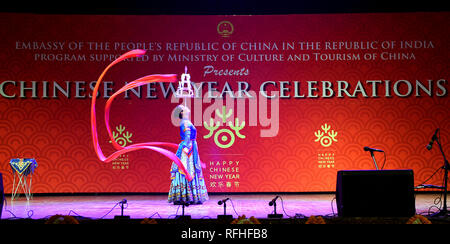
430,145
372,149
223,201
124,201
273,200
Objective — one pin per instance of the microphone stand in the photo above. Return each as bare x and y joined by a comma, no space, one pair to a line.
224,208
183,217
225,218
443,212
275,215
374,161
121,216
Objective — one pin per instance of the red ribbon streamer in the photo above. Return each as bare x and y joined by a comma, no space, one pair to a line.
146,145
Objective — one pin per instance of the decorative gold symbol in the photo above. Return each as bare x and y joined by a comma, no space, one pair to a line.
225,28
325,137
122,138
237,127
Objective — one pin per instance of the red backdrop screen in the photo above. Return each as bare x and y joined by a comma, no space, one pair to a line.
322,87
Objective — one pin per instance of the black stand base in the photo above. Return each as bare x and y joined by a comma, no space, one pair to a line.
275,216
121,217
225,218
183,217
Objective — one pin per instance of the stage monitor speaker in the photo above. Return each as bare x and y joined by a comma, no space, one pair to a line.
2,195
375,193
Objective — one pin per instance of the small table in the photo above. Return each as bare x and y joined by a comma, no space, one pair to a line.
22,169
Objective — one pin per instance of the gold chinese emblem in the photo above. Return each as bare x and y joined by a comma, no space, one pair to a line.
325,137
225,28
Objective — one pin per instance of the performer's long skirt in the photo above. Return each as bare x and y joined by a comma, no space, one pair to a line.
181,190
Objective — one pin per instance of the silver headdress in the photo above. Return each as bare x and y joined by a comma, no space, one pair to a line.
184,89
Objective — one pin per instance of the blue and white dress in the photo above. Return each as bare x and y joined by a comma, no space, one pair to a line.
181,190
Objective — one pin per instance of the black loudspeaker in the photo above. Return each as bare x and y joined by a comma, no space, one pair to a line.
375,193
2,195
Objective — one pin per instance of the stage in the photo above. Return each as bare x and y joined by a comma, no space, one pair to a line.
138,207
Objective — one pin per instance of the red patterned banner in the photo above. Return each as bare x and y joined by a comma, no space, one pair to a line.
281,102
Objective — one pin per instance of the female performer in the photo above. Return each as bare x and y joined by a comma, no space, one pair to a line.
181,189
